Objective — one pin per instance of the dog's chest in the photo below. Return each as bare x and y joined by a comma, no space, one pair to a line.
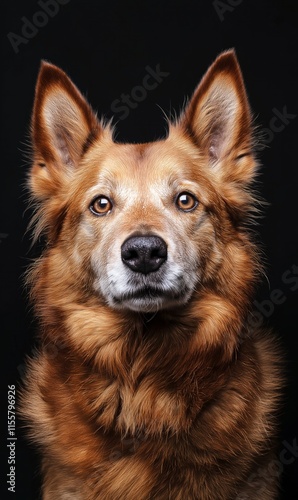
149,407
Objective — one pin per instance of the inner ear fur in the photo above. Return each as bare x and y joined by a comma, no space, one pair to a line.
62,120
218,117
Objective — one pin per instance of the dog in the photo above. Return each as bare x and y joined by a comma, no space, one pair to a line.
152,380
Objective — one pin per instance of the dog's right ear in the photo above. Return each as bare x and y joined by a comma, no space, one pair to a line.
63,126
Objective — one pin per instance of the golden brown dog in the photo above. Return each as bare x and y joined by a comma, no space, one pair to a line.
151,382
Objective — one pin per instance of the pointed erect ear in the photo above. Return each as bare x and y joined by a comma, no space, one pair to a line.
62,121
218,117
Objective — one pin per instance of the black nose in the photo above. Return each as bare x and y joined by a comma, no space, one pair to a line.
144,254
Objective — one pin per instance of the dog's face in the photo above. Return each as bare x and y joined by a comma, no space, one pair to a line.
143,222
142,225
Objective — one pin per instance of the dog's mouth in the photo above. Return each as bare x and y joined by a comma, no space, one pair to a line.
149,292
148,298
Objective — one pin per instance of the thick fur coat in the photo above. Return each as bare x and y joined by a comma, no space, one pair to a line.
152,381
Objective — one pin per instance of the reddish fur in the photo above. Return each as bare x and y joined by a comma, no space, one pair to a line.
180,406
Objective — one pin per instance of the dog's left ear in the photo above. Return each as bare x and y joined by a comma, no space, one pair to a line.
63,126
218,117
62,119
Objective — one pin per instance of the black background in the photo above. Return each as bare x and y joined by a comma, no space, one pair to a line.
105,47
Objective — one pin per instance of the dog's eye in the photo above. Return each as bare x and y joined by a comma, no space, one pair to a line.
186,202
101,205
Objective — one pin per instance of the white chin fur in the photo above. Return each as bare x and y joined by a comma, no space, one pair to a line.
148,305
140,305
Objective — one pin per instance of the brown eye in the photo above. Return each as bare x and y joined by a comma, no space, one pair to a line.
186,202
101,205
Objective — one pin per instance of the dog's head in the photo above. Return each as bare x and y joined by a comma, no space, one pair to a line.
144,226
